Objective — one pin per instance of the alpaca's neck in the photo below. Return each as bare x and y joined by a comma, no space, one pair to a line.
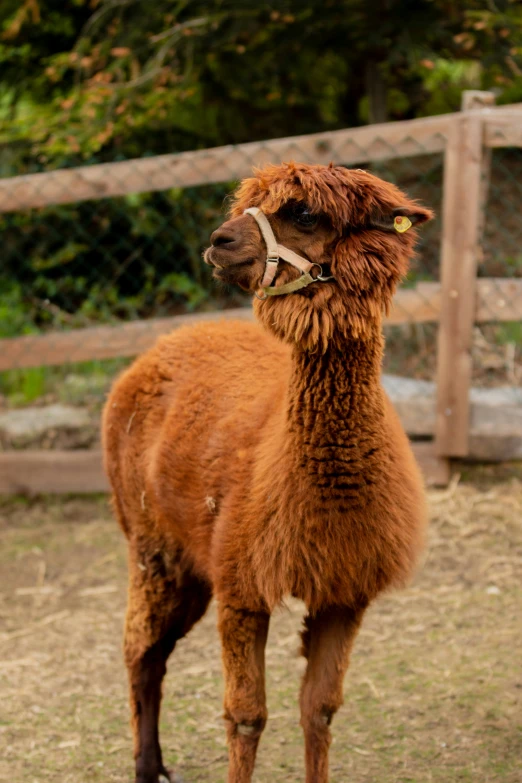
335,404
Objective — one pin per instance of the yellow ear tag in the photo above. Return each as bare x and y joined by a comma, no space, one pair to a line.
402,223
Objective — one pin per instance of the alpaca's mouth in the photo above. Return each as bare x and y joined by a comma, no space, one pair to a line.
232,273
238,275
211,258
208,259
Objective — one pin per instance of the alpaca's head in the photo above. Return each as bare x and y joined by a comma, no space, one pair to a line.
345,221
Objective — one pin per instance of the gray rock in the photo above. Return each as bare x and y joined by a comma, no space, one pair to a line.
30,423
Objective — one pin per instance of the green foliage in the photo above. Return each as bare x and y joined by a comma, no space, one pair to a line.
85,82
513,265
509,332
132,78
22,387
115,258
74,383
17,319
182,284
445,80
15,316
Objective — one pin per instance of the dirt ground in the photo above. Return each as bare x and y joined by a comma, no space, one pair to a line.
434,692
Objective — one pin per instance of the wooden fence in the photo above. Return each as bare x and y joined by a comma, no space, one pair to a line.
456,303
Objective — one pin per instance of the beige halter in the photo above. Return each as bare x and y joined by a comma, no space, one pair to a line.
274,252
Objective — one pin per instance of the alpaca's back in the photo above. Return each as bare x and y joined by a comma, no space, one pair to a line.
175,418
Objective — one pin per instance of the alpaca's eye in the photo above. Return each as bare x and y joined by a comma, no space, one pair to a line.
303,216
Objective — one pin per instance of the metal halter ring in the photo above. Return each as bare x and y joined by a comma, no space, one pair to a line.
320,275
275,253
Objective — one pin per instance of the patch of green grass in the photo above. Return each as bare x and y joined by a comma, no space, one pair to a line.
509,332
23,386
74,383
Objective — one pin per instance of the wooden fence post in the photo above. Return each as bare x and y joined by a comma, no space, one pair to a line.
481,99
466,169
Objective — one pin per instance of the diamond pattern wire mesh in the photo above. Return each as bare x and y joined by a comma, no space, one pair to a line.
138,256
411,347
497,347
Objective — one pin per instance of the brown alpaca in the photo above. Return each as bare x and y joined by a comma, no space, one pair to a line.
253,462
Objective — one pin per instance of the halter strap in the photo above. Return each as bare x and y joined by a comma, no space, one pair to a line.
274,252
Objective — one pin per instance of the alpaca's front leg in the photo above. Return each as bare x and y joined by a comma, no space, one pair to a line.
243,636
327,642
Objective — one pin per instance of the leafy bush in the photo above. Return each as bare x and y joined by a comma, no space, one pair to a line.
134,256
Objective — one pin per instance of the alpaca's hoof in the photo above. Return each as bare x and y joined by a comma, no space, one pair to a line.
170,776
165,776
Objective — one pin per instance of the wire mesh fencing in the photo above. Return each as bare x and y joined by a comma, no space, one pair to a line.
122,244
497,346
138,256
411,345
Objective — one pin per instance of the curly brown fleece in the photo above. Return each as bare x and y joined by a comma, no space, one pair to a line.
254,462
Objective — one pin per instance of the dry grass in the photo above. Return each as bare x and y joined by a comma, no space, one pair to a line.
434,692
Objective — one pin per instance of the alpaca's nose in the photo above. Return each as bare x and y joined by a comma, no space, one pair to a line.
222,238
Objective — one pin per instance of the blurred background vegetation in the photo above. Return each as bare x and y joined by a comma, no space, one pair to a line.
88,81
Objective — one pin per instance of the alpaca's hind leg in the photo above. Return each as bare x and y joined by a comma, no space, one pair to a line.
327,641
165,600
243,636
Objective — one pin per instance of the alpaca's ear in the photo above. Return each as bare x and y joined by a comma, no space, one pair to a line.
400,219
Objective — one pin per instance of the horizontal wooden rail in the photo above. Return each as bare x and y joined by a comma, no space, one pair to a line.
495,435
223,164
498,299
504,131
64,472
51,472
100,342
350,146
